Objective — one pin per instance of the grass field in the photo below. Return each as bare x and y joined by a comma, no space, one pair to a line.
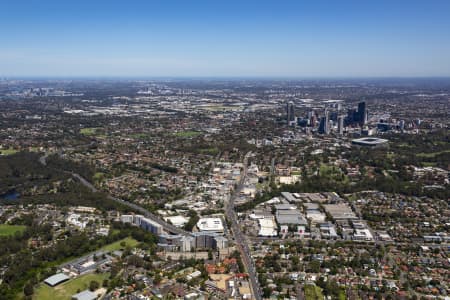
187,134
8,151
139,135
313,292
10,229
209,151
88,131
432,154
116,245
65,290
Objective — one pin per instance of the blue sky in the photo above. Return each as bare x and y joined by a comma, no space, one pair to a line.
335,38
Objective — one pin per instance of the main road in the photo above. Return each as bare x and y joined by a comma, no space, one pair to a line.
166,226
239,237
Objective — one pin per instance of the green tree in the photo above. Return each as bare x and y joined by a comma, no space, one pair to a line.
93,285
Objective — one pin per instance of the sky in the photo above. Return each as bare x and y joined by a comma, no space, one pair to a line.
215,38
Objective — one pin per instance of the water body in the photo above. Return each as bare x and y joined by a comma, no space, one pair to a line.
11,195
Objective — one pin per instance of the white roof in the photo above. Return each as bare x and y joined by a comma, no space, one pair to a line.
85,295
56,279
177,220
210,224
267,227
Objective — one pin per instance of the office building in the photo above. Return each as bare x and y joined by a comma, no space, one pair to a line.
362,113
341,125
324,127
359,116
290,113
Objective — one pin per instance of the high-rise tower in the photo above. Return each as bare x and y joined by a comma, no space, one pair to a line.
362,113
341,125
290,113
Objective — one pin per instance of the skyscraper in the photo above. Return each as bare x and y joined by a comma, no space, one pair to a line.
341,125
324,126
290,113
362,113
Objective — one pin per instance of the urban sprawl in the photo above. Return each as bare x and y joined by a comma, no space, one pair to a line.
224,189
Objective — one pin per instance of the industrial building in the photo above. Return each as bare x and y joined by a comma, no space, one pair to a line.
340,211
313,212
287,214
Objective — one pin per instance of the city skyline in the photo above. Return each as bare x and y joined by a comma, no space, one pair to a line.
348,39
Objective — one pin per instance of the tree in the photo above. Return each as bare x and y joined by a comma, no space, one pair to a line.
28,289
105,283
93,285
210,254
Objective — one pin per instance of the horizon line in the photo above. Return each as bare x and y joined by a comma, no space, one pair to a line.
262,77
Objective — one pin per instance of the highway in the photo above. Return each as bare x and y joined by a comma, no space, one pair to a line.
239,237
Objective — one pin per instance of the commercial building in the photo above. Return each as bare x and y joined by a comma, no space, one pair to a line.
143,222
290,113
341,125
362,235
204,240
359,117
324,126
210,225
362,113
328,231
178,221
220,242
267,227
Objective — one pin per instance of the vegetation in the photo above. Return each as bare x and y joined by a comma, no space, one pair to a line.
89,131
30,266
8,230
53,183
313,292
188,134
121,244
193,219
378,161
6,152
65,290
